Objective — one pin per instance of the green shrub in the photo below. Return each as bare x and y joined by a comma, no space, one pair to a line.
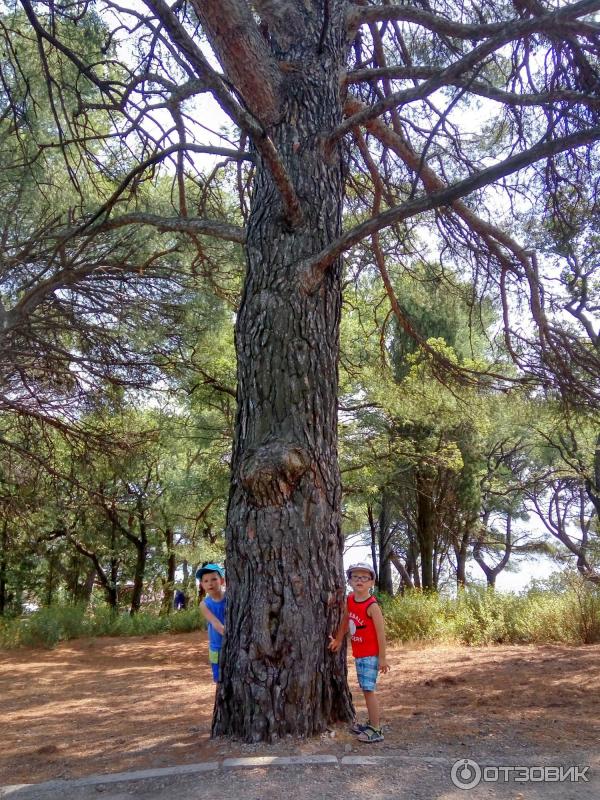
542,619
484,616
414,616
477,616
10,631
103,622
49,626
582,612
185,621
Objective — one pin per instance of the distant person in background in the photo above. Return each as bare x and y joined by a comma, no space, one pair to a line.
180,600
213,607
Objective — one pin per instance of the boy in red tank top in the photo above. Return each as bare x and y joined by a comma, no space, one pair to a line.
363,619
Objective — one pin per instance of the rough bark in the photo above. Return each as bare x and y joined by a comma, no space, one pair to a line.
284,544
245,55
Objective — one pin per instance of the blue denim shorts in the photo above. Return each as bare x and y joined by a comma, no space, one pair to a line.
367,670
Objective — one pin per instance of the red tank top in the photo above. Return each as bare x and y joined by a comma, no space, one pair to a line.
362,629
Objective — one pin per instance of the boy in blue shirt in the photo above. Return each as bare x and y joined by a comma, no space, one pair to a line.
213,608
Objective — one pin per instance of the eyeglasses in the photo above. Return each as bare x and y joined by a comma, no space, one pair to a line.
360,578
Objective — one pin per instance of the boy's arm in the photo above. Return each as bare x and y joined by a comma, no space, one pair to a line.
375,613
335,642
210,617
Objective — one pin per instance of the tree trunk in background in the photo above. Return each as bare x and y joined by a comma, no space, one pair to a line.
111,581
111,594
373,530
406,581
592,485
169,582
285,581
3,567
80,578
87,586
141,552
412,562
461,551
426,530
491,573
189,586
384,581
51,580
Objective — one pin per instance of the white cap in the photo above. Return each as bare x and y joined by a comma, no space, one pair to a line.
360,565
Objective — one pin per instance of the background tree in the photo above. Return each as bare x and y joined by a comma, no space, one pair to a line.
563,488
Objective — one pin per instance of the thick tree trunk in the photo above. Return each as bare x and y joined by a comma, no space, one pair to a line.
285,582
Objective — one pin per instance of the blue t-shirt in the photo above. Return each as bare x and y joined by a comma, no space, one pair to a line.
218,608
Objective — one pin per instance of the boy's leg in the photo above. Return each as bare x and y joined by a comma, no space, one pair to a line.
372,703
372,732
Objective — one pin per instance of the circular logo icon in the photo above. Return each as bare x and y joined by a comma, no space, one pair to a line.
465,774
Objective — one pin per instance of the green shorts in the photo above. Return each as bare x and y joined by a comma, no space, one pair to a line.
213,657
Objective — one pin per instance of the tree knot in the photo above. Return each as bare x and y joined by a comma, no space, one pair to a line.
309,277
270,473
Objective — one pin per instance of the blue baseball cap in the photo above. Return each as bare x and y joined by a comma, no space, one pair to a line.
210,567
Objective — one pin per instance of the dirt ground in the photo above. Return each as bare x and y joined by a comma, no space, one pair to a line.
110,705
